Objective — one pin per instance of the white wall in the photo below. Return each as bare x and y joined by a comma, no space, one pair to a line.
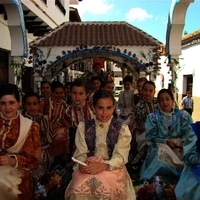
190,66
5,42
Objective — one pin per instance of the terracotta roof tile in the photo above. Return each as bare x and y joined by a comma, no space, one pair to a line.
96,33
190,37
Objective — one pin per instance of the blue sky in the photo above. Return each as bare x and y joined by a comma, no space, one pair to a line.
149,15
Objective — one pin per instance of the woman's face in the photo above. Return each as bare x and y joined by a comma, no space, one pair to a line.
148,91
32,105
166,103
9,106
104,109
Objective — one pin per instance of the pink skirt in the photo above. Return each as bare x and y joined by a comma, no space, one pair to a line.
112,185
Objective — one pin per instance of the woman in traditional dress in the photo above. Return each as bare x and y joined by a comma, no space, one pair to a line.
188,186
166,130
103,144
20,146
146,105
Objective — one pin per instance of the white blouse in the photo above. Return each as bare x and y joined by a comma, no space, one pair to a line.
121,149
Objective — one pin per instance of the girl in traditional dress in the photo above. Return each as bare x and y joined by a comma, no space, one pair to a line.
167,130
31,104
80,110
146,105
188,186
102,143
55,108
20,147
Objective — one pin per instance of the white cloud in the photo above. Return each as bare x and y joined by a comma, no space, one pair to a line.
137,14
94,7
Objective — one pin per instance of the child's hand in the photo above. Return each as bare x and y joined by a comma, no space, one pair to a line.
95,167
6,160
171,144
84,169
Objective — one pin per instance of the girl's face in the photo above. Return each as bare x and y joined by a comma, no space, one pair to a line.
127,85
109,87
96,85
45,89
166,102
31,105
104,109
9,106
148,91
78,94
58,94
139,87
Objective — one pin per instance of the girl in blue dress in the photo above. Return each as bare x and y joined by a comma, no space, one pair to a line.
188,186
169,133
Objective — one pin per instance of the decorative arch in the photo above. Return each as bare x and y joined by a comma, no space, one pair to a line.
128,60
176,23
19,43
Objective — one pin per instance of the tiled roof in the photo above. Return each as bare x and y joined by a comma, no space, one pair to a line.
186,39
97,33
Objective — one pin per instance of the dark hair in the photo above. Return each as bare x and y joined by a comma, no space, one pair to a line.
104,83
168,91
9,89
142,79
67,84
97,78
101,94
150,83
128,79
56,84
44,82
79,83
96,64
31,94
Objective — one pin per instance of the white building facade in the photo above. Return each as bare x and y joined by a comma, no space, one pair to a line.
38,17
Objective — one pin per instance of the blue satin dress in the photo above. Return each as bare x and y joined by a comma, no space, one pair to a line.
160,126
188,186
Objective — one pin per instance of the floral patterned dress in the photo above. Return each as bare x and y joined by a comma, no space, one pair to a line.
29,155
